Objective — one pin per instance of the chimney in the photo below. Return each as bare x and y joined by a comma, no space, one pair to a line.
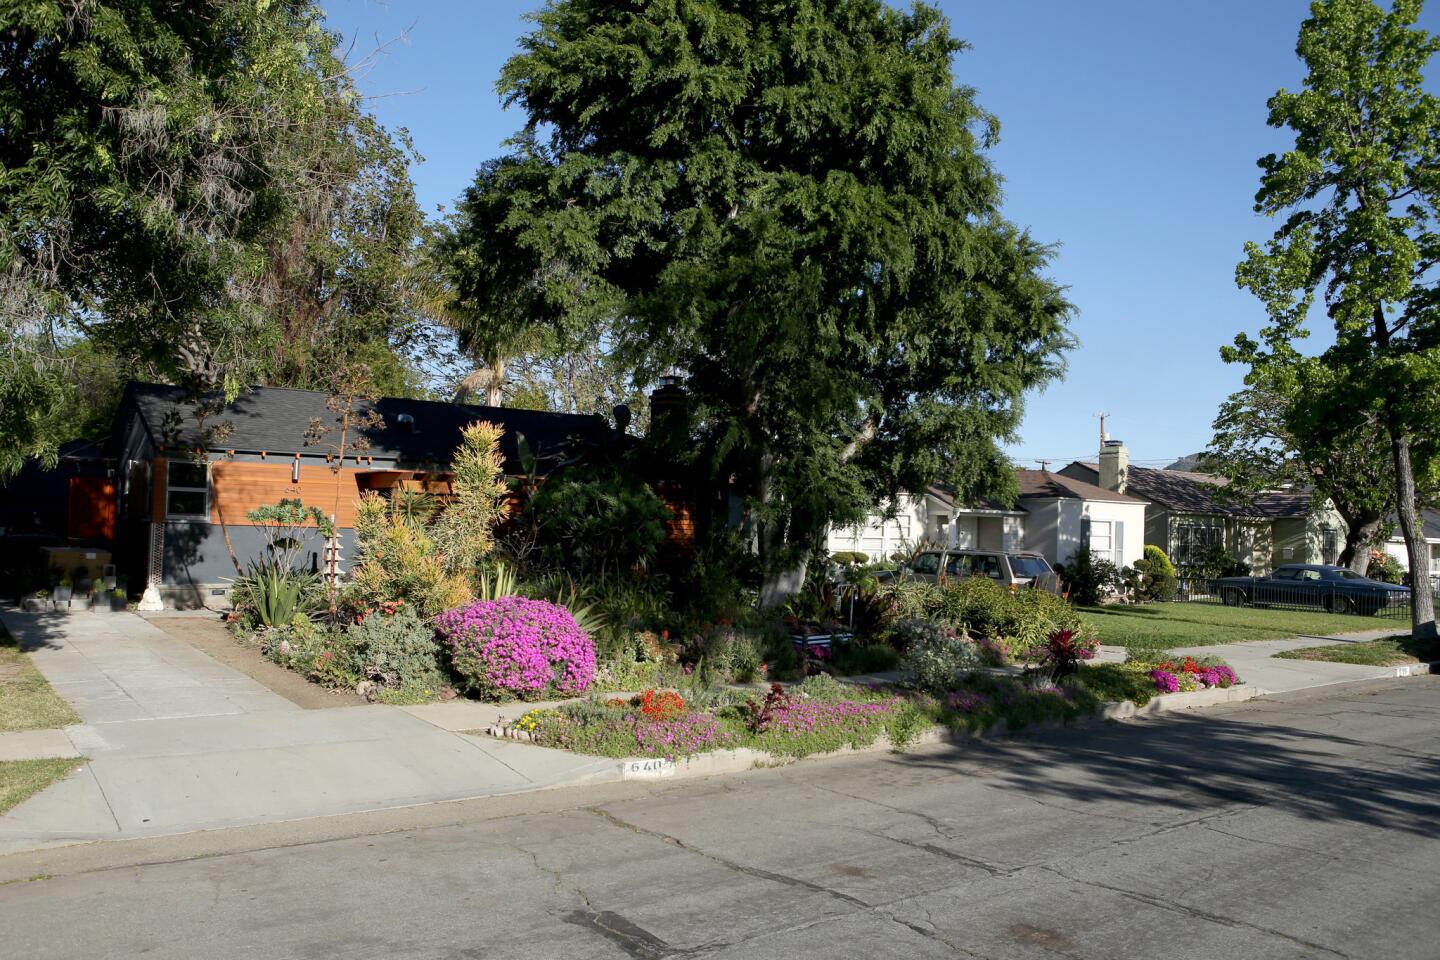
1114,466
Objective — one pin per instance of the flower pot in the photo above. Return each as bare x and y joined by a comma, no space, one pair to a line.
118,604
62,594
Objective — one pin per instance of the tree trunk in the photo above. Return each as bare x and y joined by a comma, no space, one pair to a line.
1422,601
1359,538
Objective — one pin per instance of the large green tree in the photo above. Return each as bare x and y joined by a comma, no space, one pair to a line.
1292,426
1359,190
791,205
195,190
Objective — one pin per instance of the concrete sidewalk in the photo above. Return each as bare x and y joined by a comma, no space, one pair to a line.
1257,665
178,742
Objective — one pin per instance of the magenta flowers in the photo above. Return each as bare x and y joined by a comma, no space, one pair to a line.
1165,681
518,647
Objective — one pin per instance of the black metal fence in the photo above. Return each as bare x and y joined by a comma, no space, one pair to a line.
1317,596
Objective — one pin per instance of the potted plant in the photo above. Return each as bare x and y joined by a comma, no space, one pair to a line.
64,590
117,600
39,602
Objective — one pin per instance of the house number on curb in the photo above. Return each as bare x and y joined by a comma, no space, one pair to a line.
648,769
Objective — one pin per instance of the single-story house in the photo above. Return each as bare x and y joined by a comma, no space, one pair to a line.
1053,517
933,517
1063,514
1430,525
182,494
1187,514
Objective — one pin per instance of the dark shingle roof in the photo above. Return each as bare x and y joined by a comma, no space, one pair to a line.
1043,483
274,419
1186,491
945,494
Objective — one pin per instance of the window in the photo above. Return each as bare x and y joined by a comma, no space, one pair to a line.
958,565
1193,539
1102,540
187,490
1329,544
1023,566
927,563
1284,573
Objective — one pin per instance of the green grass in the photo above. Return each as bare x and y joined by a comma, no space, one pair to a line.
1152,627
1386,652
26,700
22,779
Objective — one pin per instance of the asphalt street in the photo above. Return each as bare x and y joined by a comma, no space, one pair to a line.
1287,827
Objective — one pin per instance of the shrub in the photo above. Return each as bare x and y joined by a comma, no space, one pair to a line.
822,686
1157,581
1063,652
936,654
465,532
518,647
320,652
399,561
1384,568
732,654
1090,579
598,521
397,651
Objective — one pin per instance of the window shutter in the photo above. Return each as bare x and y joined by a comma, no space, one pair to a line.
1118,547
1085,532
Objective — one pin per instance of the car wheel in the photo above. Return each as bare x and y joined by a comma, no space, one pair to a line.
1232,598
1338,604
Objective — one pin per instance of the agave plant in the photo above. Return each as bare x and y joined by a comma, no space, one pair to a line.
277,594
496,582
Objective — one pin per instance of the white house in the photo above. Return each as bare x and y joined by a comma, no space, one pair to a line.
1395,546
1063,514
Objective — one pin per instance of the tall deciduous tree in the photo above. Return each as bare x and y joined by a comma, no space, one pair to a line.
790,204
1291,425
1359,189
196,189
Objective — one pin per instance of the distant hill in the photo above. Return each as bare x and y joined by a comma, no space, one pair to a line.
1189,462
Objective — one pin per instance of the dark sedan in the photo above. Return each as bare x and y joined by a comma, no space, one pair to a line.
1323,586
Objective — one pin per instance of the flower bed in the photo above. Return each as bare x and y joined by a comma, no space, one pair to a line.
822,715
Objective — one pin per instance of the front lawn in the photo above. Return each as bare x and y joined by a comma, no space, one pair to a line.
26,700
1386,652
22,779
1148,628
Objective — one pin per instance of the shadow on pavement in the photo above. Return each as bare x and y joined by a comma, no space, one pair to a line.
1195,760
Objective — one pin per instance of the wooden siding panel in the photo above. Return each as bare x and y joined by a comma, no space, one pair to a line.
237,488
92,509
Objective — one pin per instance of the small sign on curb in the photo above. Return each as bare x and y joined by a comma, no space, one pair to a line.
647,769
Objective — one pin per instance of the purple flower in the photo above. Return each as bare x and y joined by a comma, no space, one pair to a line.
515,646
967,702
1165,681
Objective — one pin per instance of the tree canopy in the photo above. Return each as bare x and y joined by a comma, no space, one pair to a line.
196,191
1359,191
791,205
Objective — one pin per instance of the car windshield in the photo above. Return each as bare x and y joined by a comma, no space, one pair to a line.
1028,566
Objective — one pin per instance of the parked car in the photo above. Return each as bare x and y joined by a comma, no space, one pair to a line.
1323,586
1005,568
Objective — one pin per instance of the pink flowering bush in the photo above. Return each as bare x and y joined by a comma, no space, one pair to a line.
517,647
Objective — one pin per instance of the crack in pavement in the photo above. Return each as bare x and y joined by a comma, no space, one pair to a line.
756,872
1195,912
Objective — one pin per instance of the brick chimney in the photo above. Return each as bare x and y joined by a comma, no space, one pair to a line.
1114,466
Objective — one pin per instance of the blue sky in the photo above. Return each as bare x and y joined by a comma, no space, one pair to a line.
1129,135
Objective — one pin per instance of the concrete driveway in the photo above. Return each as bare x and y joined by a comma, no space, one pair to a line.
178,741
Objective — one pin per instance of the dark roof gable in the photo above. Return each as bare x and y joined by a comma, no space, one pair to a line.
1043,484
1185,491
275,419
